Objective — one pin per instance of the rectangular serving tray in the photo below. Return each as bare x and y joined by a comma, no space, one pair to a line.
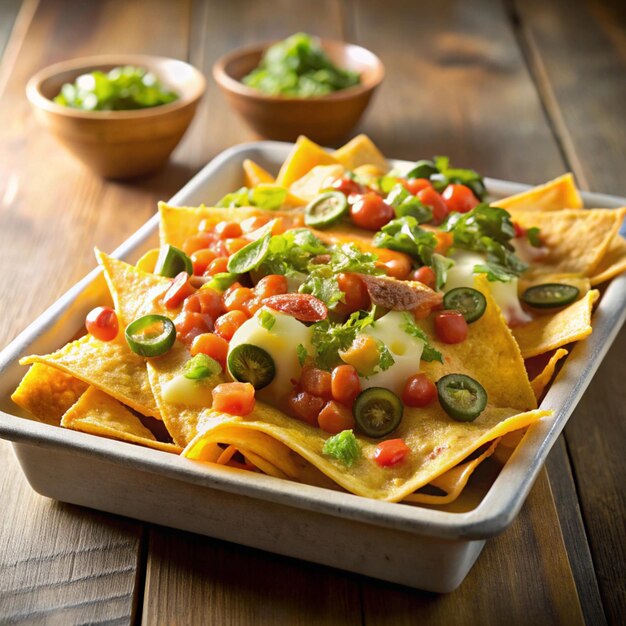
419,547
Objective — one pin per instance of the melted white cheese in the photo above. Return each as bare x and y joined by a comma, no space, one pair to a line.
181,390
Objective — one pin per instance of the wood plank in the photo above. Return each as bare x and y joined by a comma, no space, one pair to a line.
569,45
58,563
457,84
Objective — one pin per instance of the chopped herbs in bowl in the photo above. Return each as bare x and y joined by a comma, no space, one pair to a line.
299,67
121,89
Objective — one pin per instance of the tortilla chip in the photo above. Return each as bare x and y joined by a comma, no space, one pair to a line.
560,193
613,262
549,332
107,365
360,151
453,481
46,393
304,156
489,348
577,239
370,172
542,380
148,261
99,414
318,178
437,444
254,174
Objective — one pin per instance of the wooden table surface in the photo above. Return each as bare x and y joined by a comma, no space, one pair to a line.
520,90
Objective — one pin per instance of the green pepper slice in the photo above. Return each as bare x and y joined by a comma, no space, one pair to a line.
151,335
469,302
461,397
172,262
248,363
550,295
377,411
326,209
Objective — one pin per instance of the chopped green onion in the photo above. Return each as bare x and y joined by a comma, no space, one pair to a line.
266,319
201,366
221,281
344,447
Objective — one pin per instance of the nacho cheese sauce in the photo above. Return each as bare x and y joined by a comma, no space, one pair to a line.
182,390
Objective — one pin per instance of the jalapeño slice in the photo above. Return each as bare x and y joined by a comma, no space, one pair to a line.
248,363
326,209
469,302
151,335
377,411
550,295
461,397
172,262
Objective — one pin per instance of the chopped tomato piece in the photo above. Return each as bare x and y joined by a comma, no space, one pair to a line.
190,324
305,407
217,266
451,326
212,345
198,242
520,231
415,185
356,296
347,186
397,267
391,452
201,259
252,306
302,306
419,391
236,299
424,275
228,230
371,212
206,301
271,285
432,199
227,324
234,398
335,417
102,323
180,289
254,223
317,382
444,242
459,198
345,384
236,244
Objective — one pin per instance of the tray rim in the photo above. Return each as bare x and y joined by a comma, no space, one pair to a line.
494,513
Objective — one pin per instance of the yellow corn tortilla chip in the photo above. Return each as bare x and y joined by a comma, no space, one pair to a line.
360,151
99,414
453,481
254,174
549,332
490,354
577,239
318,178
148,261
46,393
107,365
369,171
304,156
613,262
437,444
560,193
541,381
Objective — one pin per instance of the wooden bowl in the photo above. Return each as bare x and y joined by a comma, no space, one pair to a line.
324,118
118,144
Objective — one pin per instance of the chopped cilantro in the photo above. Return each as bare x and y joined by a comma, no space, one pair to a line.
405,204
466,177
411,328
404,234
266,319
268,197
385,360
201,366
302,354
534,237
440,265
344,447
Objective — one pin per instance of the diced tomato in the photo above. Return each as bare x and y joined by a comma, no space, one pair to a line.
180,289
424,275
302,306
415,185
419,390
251,224
102,323
190,324
317,382
444,241
228,230
391,452
206,301
252,306
450,326
201,259
520,231
198,242
305,407
397,267
236,299
459,198
345,384
217,266
236,244
431,198
234,398
347,186
212,345
271,285
371,212
335,417
226,325
356,297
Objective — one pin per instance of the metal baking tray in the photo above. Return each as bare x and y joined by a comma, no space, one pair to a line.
415,546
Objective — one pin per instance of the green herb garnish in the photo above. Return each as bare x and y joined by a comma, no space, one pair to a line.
268,197
266,319
302,354
201,366
404,234
411,328
344,447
